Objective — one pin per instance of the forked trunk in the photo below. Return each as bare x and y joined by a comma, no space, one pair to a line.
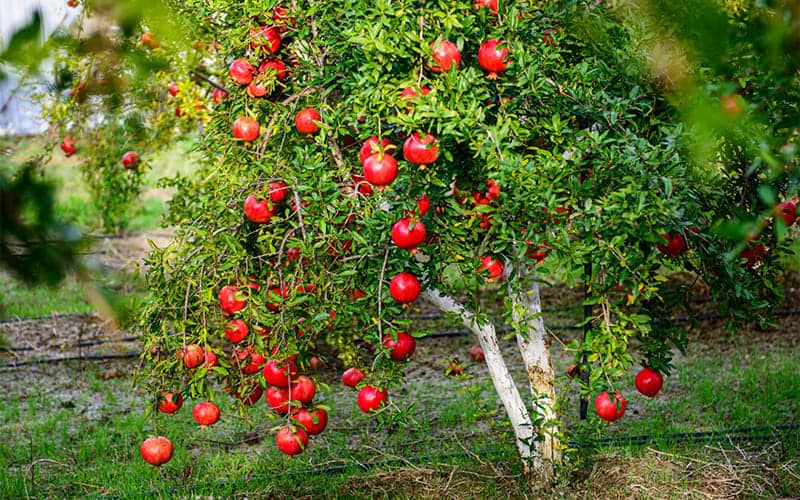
535,349
503,383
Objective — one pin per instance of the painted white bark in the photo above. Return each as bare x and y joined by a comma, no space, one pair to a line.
535,349
503,383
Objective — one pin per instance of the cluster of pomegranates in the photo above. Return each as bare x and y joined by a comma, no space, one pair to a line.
259,80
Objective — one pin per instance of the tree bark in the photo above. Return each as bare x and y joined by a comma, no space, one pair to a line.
535,349
503,383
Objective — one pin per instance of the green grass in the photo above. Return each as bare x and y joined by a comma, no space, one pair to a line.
120,289
82,434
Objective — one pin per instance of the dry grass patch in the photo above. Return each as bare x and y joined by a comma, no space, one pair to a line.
712,472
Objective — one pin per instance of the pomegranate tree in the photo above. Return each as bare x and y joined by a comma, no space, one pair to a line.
297,231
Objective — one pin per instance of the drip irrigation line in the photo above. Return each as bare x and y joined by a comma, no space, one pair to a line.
736,434
99,357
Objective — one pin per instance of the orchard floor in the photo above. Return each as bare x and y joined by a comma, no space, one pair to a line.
73,428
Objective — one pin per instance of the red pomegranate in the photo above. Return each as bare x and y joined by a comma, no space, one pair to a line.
493,57
445,56
421,150
380,169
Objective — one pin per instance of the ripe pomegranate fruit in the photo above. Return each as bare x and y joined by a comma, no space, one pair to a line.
313,421
401,348
649,382
445,56
423,204
254,396
380,169
279,374
268,39
170,402
607,409
173,89
676,245
228,301
476,353
753,255
278,399
275,65
304,122
786,210
493,266
246,129
352,376
237,331
210,359
192,355
404,287
241,71
406,236
493,57
258,211
302,389
156,450
492,5
278,191
370,398
421,150
372,146
410,93
205,413
130,160
291,441
281,16
68,146
248,360
219,95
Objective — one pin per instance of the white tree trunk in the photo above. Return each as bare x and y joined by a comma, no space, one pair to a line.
535,349
503,383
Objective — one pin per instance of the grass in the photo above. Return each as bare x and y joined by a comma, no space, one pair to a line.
120,289
79,436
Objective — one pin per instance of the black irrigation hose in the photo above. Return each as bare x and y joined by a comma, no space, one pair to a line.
737,434
16,364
